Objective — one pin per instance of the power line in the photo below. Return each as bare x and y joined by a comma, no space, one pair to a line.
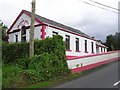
98,6
104,5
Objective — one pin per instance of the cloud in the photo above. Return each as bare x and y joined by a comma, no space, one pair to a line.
91,20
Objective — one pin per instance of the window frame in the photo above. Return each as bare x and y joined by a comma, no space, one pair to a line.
85,43
92,47
77,44
54,33
67,42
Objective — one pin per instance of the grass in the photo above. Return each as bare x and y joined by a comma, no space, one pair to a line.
55,82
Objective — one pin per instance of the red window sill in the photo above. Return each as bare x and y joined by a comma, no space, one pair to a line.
86,51
77,51
69,50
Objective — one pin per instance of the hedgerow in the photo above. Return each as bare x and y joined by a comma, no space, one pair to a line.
48,63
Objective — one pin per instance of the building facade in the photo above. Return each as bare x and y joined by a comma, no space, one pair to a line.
77,42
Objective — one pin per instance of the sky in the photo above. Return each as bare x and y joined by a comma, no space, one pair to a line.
91,20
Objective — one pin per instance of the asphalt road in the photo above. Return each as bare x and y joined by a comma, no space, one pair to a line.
106,77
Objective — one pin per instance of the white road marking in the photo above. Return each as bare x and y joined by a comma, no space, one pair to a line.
116,83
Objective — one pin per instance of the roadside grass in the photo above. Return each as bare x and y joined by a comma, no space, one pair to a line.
55,82
62,80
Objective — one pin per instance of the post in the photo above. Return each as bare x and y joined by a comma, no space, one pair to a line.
31,42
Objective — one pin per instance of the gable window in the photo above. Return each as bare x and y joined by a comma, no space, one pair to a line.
77,44
23,34
86,46
54,33
67,42
92,47
16,38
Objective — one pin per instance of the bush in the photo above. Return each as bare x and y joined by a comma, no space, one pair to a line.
43,67
54,45
48,63
11,52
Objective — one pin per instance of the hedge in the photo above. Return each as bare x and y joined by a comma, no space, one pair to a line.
48,63
54,45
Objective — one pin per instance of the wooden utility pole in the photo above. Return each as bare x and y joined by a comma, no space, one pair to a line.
31,43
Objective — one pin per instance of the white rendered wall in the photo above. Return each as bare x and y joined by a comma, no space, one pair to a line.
18,23
37,35
23,17
76,63
73,52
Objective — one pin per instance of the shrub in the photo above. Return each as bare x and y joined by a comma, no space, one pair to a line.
47,66
48,63
54,45
11,52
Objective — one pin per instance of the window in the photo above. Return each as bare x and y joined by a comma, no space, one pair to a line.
85,46
23,34
101,49
23,30
67,42
54,33
77,44
104,49
16,38
92,47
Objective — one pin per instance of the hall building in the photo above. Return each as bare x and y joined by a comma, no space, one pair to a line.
77,42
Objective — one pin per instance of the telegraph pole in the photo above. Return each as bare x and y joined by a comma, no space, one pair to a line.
31,43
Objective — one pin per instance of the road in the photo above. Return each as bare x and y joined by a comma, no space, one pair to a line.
106,77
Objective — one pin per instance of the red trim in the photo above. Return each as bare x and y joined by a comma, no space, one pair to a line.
69,50
77,51
27,27
14,22
71,32
23,11
30,16
90,55
80,69
43,31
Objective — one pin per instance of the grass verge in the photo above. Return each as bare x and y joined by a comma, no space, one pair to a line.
61,80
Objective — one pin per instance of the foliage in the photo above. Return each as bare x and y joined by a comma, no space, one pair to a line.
14,51
3,29
48,63
112,42
11,52
47,67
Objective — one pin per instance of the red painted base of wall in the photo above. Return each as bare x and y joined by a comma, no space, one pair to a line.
80,69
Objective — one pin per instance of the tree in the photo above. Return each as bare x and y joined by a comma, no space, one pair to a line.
112,41
3,29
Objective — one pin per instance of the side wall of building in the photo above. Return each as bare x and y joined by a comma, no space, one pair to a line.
72,51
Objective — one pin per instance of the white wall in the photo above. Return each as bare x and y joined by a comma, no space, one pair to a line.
37,35
72,42
25,17
72,64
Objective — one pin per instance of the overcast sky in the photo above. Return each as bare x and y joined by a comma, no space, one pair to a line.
74,13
